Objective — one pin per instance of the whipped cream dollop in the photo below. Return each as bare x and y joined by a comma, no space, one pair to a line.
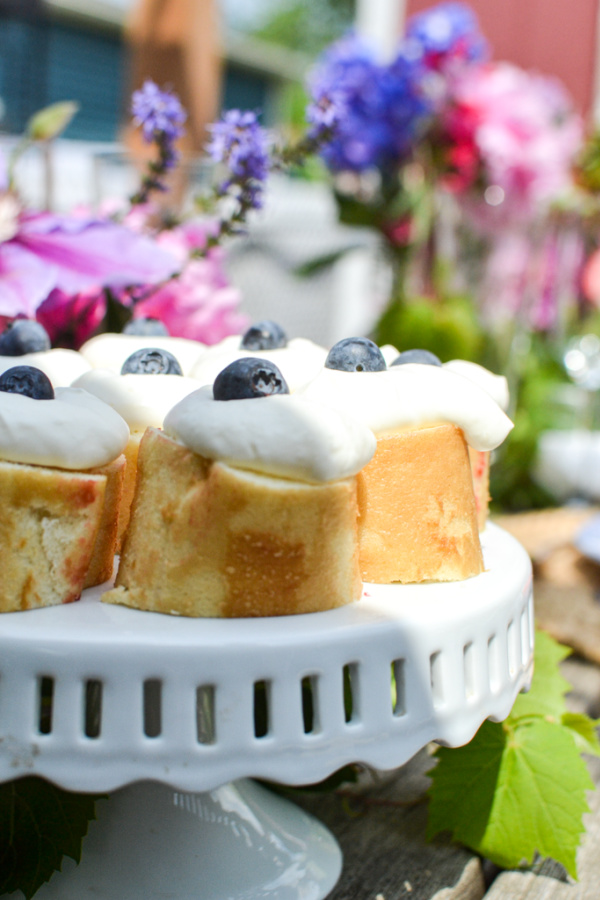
413,395
278,435
74,431
61,366
495,385
109,351
141,399
298,362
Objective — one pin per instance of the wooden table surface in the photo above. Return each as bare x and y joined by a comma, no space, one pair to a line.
380,825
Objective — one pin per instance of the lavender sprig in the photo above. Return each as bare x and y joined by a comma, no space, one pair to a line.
243,147
249,153
161,117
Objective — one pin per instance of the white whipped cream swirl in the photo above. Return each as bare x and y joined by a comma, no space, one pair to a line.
413,395
109,351
74,431
61,366
298,362
279,435
495,385
141,399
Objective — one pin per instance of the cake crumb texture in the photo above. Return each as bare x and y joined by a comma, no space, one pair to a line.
417,509
206,539
50,519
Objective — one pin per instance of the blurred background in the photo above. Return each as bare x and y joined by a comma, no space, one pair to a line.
520,296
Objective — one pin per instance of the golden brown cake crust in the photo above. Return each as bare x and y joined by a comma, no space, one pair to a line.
131,456
206,539
48,527
103,556
417,513
480,470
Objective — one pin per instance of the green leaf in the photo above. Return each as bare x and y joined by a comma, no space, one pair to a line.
39,824
513,793
584,732
547,694
51,121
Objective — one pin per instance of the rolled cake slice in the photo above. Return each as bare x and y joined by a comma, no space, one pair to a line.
497,387
245,507
101,564
142,395
418,518
417,509
61,463
48,528
207,539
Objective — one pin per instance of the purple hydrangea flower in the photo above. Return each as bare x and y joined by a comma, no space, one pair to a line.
241,144
444,35
158,112
383,106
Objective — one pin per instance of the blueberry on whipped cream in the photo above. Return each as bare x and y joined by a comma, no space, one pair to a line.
27,380
355,354
146,327
422,357
264,335
247,378
23,336
151,361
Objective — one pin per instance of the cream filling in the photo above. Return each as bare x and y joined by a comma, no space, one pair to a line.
109,351
413,396
278,435
61,366
495,385
142,400
73,431
299,362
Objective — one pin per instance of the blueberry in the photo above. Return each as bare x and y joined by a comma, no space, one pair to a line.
264,335
425,357
23,336
248,378
27,380
146,328
355,354
151,361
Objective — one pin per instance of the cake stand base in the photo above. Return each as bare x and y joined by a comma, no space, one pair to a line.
238,842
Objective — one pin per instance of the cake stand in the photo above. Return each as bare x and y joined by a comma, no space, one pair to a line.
174,715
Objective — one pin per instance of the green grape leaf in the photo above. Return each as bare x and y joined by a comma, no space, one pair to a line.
39,824
513,792
584,732
548,688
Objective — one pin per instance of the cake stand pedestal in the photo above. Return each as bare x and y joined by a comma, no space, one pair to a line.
98,698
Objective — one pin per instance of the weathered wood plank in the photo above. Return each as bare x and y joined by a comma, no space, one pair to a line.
381,830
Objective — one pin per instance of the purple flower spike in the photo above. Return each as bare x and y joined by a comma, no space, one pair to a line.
241,144
158,112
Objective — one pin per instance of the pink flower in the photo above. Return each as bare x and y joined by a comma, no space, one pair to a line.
71,320
590,278
72,254
525,134
200,304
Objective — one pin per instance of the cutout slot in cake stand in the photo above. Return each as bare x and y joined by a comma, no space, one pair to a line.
100,698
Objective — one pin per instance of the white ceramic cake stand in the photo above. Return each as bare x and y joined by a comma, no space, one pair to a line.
173,715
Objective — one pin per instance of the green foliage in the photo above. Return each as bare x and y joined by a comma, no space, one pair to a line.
308,26
518,789
39,824
449,329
